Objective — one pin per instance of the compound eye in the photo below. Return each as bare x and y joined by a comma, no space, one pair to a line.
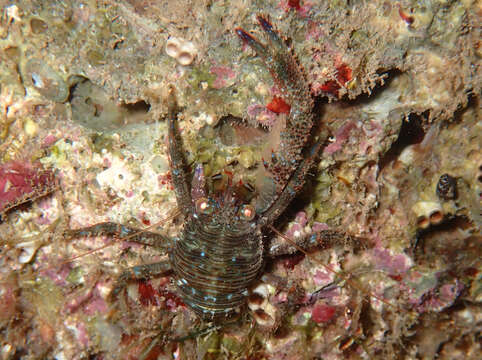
203,207
247,212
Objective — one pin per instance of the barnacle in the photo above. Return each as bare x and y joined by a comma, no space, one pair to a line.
183,51
264,312
428,213
38,26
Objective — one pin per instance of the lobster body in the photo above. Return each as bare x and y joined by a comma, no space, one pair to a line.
214,264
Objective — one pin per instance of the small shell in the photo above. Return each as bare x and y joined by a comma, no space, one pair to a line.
38,26
45,80
447,187
181,50
187,54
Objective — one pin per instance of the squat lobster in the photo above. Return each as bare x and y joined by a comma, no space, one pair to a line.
219,252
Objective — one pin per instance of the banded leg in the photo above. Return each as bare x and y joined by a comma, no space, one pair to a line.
122,232
140,272
294,290
177,161
323,239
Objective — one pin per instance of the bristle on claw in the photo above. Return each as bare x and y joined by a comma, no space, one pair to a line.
265,24
244,35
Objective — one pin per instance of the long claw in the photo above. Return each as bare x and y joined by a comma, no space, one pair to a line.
121,232
176,156
279,61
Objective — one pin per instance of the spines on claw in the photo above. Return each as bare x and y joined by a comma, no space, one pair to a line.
284,68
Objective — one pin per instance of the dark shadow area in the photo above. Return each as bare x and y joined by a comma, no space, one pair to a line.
411,133
95,109
377,90
473,102
140,106
449,240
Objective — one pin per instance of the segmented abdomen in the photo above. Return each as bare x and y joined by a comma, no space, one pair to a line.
214,266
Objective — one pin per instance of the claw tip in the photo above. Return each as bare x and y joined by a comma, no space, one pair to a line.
265,24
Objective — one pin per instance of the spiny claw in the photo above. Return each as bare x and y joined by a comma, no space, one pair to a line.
265,24
277,59
270,31
285,167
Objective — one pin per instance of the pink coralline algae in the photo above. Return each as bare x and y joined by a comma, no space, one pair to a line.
224,75
90,302
317,227
322,313
8,301
436,298
341,135
302,8
392,264
58,274
96,305
297,228
82,334
22,181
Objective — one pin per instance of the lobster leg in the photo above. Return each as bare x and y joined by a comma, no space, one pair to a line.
323,238
139,272
123,233
283,67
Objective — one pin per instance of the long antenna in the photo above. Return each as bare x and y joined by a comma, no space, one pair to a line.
176,213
